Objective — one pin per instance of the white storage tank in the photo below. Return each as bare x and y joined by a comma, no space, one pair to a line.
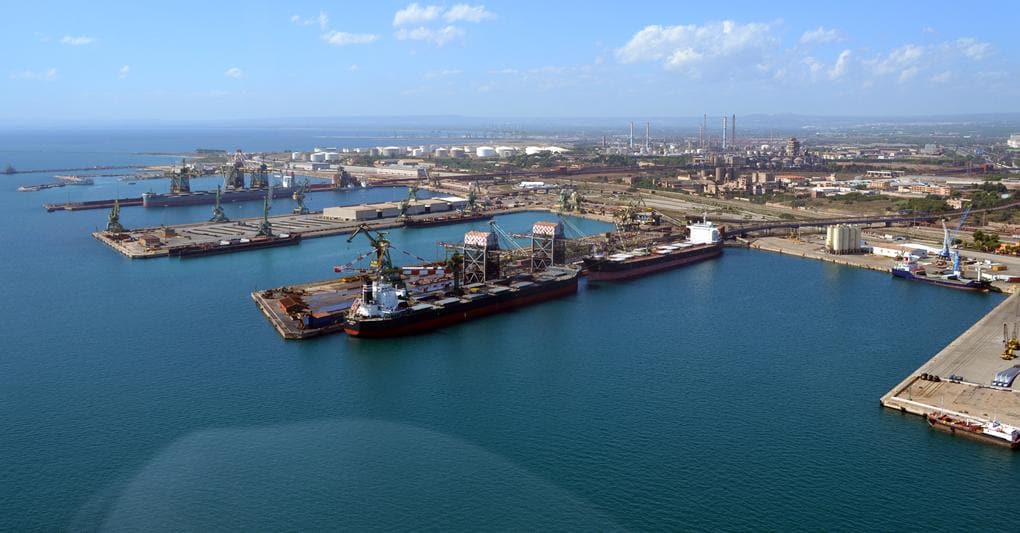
318,157
505,151
297,156
485,151
332,156
441,153
417,152
457,152
390,151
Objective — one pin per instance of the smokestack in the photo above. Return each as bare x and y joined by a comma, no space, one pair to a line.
704,128
733,130
724,128
648,136
632,135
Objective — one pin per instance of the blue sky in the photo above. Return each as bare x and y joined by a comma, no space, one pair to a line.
207,60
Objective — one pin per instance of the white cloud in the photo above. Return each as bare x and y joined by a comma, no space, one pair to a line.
416,14
421,16
504,71
898,60
942,77
353,68
76,41
218,93
466,13
234,73
342,38
322,20
440,37
124,71
842,65
49,74
442,73
43,38
715,47
972,48
821,36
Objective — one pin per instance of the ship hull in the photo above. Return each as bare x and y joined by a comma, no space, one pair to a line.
226,197
969,285
443,220
968,432
432,319
216,249
606,270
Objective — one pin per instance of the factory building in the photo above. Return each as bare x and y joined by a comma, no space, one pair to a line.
899,252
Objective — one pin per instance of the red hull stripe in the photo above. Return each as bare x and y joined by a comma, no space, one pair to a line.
641,271
456,318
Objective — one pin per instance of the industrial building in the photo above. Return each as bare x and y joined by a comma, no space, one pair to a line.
362,212
392,210
899,252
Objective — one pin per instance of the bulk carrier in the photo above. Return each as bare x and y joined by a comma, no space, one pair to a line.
704,242
385,309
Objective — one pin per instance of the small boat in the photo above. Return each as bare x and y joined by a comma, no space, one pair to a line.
993,432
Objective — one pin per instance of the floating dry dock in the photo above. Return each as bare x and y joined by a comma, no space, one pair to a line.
974,358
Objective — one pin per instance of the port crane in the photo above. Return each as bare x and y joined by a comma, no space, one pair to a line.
382,262
1010,341
947,237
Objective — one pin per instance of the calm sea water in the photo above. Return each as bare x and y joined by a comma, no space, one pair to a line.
735,394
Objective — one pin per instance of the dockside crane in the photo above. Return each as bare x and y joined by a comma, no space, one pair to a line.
947,237
382,262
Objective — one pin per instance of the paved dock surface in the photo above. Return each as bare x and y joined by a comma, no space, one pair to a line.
975,356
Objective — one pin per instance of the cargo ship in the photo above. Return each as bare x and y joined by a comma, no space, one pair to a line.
705,242
227,246
384,309
388,307
151,199
445,219
912,271
992,432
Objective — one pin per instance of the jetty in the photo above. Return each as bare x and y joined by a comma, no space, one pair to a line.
958,379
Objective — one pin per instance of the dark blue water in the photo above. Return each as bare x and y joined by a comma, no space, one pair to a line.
736,394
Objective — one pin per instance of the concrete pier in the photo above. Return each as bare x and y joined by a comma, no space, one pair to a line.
975,356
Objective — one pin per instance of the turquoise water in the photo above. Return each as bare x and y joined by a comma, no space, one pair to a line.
739,393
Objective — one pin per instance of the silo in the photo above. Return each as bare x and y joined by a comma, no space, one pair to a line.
829,238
